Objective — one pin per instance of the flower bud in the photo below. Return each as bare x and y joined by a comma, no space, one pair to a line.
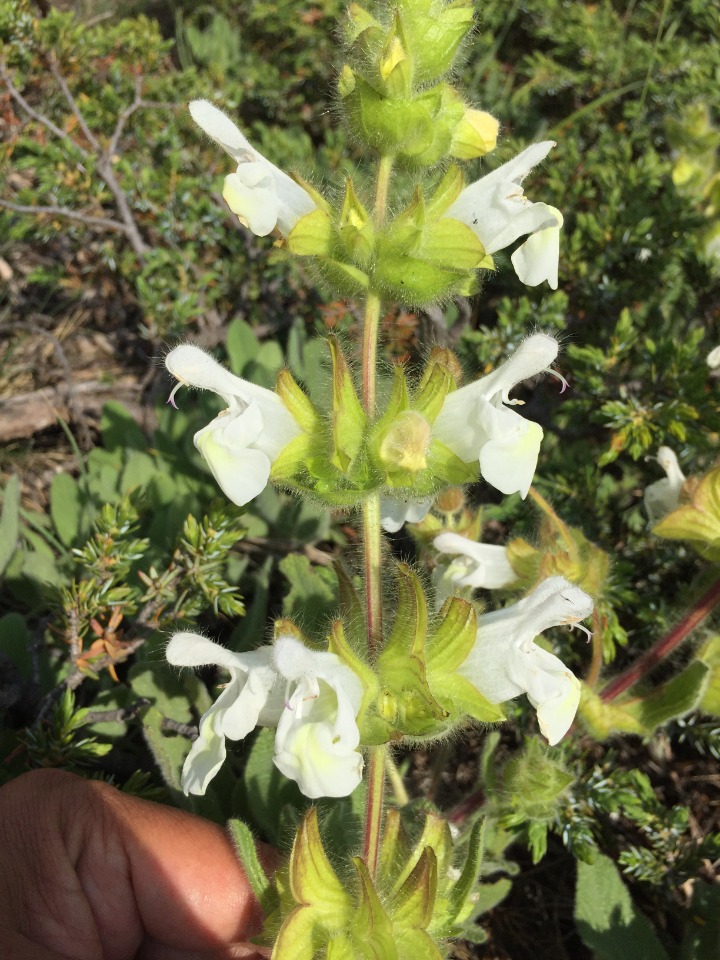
404,447
356,230
475,135
434,31
396,65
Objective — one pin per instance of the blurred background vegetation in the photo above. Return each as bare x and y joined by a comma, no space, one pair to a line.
115,243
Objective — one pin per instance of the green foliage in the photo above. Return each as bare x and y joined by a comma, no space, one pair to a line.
133,545
59,741
607,919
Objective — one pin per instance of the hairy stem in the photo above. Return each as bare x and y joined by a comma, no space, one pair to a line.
374,806
372,540
664,646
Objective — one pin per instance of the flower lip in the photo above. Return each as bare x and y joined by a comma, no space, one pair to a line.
262,195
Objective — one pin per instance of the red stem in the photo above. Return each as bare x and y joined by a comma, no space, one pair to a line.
664,646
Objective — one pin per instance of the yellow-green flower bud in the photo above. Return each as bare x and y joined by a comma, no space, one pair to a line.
396,65
356,229
475,135
434,30
346,82
360,26
405,445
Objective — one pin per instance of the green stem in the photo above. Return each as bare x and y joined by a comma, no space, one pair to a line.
381,188
372,541
371,325
374,806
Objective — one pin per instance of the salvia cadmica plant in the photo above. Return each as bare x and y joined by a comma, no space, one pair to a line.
337,703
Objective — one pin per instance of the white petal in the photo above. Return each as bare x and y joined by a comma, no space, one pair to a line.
244,697
242,471
487,564
462,424
256,205
395,511
513,171
196,368
321,766
292,201
505,661
713,358
206,756
537,259
193,650
509,457
533,356
220,128
294,661
495,208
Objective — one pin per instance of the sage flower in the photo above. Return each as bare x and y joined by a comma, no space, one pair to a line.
477,421
310,696
397,510
246,702
505,662
262,195
663,496
242,442
472,565
498,212
317,733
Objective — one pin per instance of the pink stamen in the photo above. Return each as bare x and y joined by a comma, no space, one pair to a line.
560,377
171,398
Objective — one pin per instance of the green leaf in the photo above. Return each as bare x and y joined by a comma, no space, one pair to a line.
9,521
246,849
312,598
66,507
241,344
702,929
171,695
265,793
119,428
607,920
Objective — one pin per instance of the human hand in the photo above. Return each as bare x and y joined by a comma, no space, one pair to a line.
89,873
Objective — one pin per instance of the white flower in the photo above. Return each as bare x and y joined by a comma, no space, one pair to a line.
713,358
505,662
663,496
261,195
476,422
317,735
310,696
242,442
397,510
498,212
246,701
473,565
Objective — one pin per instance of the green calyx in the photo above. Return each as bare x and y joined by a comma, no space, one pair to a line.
415,902
419,257
341,457
392,90
421,695
401,444
432,32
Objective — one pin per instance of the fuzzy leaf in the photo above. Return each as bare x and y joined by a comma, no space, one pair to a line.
607,919
9,521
